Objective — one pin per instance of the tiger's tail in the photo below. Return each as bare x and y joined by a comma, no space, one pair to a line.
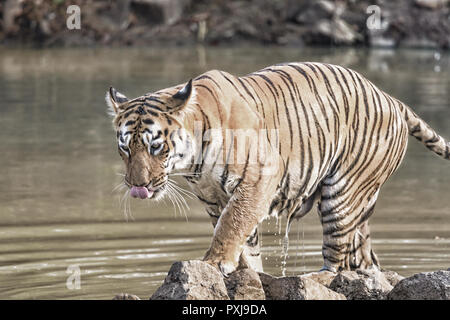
419,129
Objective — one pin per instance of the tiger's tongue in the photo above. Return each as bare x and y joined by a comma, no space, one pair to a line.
140,192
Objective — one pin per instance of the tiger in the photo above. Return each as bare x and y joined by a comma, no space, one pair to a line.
330,137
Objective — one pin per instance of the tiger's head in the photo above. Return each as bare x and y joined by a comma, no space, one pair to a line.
151,139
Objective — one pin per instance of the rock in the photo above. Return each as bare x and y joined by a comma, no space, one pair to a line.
126,296
296,288
325,25
161,11
418,23
326,6
431,4
323,277
192,280
392,277
244,284
316,10
337,31
362,285
197,280
423,286
11,9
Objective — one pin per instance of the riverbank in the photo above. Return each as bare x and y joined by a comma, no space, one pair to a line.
403,23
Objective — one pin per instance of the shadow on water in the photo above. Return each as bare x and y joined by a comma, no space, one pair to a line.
59,165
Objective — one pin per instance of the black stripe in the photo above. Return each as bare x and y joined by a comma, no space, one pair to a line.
155,100
433,140
234,86
153,106
206,201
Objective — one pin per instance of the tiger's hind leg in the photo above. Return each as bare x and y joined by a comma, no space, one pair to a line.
346,234
348,198
362,255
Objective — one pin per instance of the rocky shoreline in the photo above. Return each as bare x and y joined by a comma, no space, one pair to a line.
197,280
373,23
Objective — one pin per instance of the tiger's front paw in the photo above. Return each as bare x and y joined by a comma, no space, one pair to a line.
225,266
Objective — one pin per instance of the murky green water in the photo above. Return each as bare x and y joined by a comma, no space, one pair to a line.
59,164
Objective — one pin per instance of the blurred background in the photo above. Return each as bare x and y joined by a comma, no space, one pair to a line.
407,23
59,214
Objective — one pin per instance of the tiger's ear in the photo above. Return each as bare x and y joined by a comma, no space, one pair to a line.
179,100
115,101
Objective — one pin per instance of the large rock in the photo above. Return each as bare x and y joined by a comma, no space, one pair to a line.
244,284
326,277
198,280
323,277
423,286
192,280
392,277
296,288
362,285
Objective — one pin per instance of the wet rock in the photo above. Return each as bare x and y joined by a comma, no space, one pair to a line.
126,296
423,286
192,280
323,277
326,277
197,280
362,285
392,277
296,288
244,284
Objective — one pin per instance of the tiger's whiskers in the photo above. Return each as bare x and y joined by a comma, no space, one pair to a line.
175,193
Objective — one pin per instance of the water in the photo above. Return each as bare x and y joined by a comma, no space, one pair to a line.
59,164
